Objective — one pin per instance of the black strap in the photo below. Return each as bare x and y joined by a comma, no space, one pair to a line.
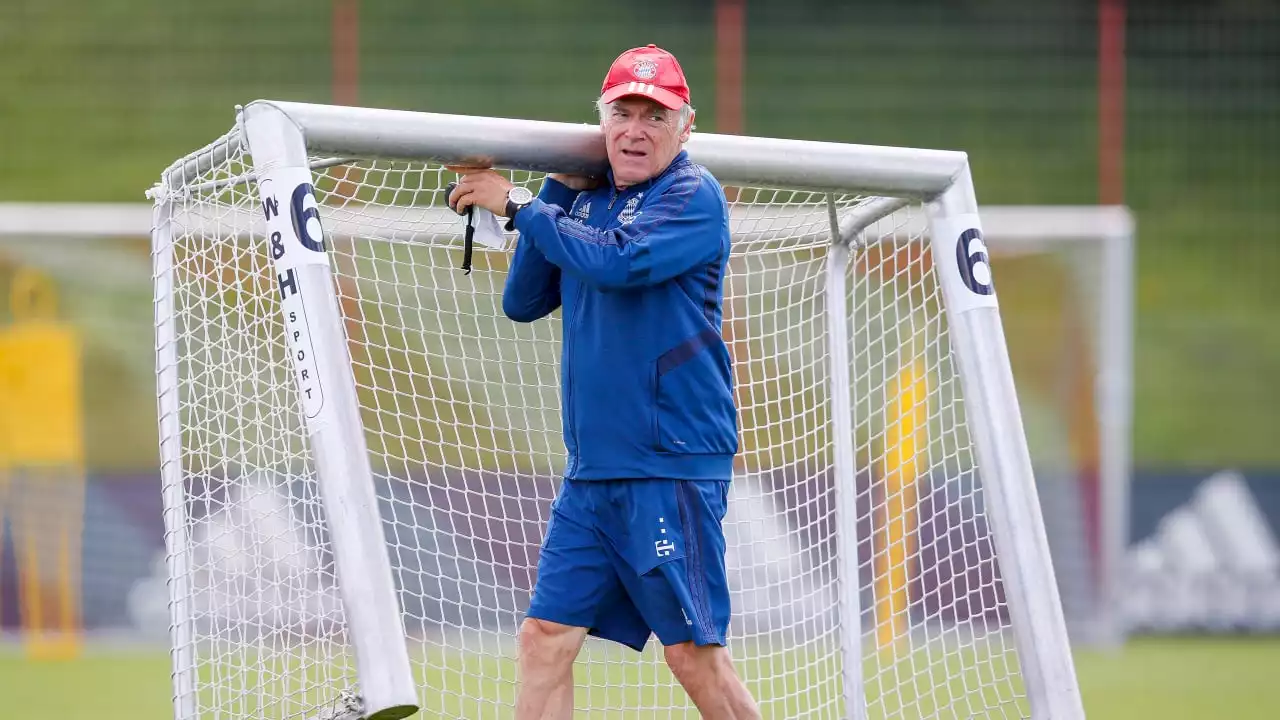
468,237
468,240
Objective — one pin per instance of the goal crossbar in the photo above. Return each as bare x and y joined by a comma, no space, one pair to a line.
283,137
546,146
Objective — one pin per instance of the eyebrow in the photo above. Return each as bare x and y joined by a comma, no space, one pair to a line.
655,108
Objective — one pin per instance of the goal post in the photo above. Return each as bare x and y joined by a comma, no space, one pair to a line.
304,352
315,338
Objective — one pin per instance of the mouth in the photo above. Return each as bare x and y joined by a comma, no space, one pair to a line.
634,154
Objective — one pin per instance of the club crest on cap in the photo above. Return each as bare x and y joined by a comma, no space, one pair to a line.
645,69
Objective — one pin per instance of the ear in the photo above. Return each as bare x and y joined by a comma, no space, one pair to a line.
688,128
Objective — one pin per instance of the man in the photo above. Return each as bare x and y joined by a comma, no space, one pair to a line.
635,544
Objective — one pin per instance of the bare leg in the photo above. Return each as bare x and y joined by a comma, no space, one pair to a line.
547,652
706,673
560,704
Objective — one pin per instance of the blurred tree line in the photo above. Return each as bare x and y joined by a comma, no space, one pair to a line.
97,97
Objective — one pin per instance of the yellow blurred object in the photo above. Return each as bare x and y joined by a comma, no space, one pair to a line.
41,464
905,415
42,362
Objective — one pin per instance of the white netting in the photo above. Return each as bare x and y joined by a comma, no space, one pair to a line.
461,412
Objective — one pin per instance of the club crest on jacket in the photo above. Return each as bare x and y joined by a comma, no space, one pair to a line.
629,212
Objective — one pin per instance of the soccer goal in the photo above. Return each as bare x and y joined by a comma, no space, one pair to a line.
359,451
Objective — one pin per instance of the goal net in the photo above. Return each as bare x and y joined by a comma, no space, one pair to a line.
877,569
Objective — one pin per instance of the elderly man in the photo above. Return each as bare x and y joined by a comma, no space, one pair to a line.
635,545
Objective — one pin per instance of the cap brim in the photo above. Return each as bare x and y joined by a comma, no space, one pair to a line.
662,96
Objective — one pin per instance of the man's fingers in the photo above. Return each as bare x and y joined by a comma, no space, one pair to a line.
458,198
481,188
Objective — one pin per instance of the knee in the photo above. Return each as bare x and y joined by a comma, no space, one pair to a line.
688,661
547,644
677,657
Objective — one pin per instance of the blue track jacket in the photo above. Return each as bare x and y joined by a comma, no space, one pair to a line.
645,382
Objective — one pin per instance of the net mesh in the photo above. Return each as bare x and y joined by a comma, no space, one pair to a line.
461,411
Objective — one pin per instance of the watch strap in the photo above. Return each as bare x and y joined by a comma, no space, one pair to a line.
512,209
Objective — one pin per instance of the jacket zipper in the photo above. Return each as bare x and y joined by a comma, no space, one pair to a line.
570,336
571,331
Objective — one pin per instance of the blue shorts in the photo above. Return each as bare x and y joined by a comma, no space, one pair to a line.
626,558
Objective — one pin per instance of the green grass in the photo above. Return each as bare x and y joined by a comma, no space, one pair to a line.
99,686
1183,678
1168,679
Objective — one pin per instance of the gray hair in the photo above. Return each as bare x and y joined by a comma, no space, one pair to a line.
686,113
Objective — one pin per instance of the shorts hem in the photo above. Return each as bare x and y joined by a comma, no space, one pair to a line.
699,639
630,642
537,613
565,619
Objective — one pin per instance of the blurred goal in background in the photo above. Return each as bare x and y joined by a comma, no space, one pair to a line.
1065,278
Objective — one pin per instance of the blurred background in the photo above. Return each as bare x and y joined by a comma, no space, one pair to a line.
1168,107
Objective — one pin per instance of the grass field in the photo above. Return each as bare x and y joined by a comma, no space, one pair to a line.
1165,679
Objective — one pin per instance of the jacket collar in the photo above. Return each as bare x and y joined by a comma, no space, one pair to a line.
681,159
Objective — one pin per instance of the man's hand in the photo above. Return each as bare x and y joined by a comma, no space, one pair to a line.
577,182
480,187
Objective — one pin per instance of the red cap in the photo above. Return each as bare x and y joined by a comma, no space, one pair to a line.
647,71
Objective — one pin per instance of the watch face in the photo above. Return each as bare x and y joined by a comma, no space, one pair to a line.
519,195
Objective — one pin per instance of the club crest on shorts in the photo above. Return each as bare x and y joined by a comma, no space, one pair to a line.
645,69
663,547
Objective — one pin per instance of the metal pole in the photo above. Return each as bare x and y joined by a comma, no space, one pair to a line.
316,341
1004,462
844,475
176,521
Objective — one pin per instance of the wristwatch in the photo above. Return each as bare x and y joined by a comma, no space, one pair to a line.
518,198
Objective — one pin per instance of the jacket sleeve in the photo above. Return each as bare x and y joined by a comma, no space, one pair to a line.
679,230
532,289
